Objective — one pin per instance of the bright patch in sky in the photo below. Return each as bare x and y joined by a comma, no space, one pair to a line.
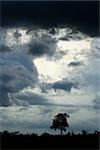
74,45
17,36
49,71
55,70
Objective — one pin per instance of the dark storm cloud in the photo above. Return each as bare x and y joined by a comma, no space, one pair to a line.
74,64
17,71
5,77
53,13
64,85
31,98
5,49
46,45
59,85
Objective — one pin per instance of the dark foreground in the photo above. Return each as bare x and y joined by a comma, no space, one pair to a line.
70,140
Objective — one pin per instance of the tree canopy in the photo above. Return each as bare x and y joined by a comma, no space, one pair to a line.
60,122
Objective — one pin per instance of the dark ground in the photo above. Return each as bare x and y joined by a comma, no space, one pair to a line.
70,141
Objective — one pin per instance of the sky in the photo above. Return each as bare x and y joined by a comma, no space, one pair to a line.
49,64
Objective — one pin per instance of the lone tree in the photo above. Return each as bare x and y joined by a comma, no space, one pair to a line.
60,122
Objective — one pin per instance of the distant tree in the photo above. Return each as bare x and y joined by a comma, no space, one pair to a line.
83,132
60,122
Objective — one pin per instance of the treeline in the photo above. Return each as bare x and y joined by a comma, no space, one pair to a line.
16,140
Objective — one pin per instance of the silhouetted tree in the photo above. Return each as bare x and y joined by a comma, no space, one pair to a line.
60,122
83,132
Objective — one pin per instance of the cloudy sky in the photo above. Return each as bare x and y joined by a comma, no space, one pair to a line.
51,68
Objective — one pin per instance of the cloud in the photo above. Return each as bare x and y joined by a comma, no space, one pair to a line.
45,45
96,103
90,76
2,36
58,85
36,109
95,46
27,98
64,85
74,64
30,98
5,49
16,72
67,34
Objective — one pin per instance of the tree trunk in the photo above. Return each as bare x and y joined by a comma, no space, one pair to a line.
61,131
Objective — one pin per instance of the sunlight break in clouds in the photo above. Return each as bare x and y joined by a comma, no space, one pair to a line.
55,70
